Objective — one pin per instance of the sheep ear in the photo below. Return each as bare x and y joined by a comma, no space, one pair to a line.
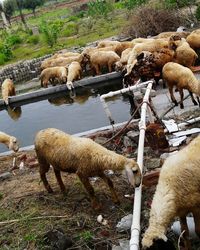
130,175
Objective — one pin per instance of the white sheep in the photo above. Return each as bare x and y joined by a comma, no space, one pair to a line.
7,89
82,156
177,194
123,60
182,78
194,39
10,141
74,73
50,74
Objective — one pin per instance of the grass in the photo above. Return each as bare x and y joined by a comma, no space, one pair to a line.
76,32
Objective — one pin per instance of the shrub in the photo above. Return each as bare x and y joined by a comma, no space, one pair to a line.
100,8
197,14
51,31
155,21
13,39
34,39
70,29
6,50
2,58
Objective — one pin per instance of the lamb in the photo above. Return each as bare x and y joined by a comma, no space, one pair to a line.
123,60
10,141
74,73
177,194
194,39
50,74
99,59
82,156
7,89
184,54
183,78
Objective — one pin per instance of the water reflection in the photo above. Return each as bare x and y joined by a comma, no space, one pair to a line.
14,113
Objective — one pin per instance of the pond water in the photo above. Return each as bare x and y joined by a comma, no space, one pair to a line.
72,115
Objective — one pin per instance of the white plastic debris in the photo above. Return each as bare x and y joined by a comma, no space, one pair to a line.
101,220
170,125
177,141
187,132
125,223
191,226
21,165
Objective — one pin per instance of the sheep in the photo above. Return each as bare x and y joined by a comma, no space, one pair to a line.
177,194
115,44
50,74
182,34
7,89
184,54
183,78
74,73
82,156
150,46
66,54
10,141
123,60
193,39
98,59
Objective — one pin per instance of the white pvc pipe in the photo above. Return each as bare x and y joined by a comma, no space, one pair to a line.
135,228
121,91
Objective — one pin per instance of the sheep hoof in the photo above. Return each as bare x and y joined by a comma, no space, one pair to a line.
50,190
181,106
195,103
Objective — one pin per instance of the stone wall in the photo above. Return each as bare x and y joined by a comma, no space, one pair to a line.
23,70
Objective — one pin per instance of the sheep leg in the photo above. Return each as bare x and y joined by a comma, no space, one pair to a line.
109,68
184,227
59,180
192,97
97,69
197,221
181,95
44,168
172,96
108,181
95,204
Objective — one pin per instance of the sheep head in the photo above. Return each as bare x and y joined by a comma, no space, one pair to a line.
133,173
13,144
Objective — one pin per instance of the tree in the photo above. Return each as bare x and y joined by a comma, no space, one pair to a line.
9,7
20,7
5,21
30,4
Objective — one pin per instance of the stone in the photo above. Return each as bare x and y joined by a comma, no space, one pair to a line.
5,176
125,223
152,163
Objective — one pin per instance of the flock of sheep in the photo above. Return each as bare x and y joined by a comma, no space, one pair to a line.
178,189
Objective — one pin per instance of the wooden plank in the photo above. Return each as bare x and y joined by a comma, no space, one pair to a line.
43,94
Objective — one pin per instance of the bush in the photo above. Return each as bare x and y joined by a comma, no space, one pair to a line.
13,39
2,58
155,22
51,31
100,8
6,50
70,29
34,39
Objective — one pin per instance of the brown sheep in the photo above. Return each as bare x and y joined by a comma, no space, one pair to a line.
10,141
182,34
50,74
184,54
123,60
99,59
182,78
82,156
7,89
194,39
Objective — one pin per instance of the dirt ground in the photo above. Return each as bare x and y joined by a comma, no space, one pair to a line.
30,218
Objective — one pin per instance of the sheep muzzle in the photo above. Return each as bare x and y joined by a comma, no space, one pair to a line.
134,175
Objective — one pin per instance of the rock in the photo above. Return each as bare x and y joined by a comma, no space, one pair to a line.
125,223
124,244
134,135
152,163
57,239
5,176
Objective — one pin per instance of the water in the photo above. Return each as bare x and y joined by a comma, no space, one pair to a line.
82,113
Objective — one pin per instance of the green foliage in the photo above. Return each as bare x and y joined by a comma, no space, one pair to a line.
179,3
87,236
51,31
30,4
13,39
100,8
9,8
5,51
131,4
34,39
70,29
